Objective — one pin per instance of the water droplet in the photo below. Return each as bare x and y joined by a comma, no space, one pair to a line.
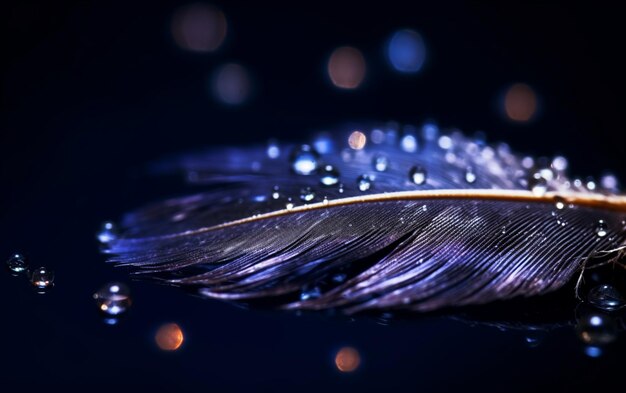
107,233
380,162
357,140
323,143
533,341
444,142
609,182
528,162
329,176
559,163
42,278
113,298
304,160
602,229
538,185
408,143
470,176
310,293
325,201
559,203
289,206
590,185
365,182
273,150
430,131
17,263
307,194
417,175
606,297
275,192
377,136
340,188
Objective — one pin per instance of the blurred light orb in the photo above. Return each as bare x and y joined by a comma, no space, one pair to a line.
520,102
231,84
346,67
406,51
169,337
199,27
357,140
347,360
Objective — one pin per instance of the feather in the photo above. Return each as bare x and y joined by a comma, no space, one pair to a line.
383,221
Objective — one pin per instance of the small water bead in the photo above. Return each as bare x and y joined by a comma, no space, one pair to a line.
417,175
365,182
329,176
273,150
408,143
304,160
323,143
108,233
590,185
310,293
113,298
17,263
357,140
602,229
289,206
444,142
430,131
275,192
606,297
609,182
470,176
307,194
559,203
377,136
559,163
380,162
538,185
42,278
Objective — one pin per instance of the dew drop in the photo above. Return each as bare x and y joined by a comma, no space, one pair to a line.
275,192
602,228
365,182
113,298
307,194
325,201
108,233
289,206
304,160
329,176
340,188
444,142
357,140
559,163
310,293
609,182
17,263
42,278
417,175
380,163
470,176
408,143
591,185
538,185
273,150
377,136
597,329
559,203
606,297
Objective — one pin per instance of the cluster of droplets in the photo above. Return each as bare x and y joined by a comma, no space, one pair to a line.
41,278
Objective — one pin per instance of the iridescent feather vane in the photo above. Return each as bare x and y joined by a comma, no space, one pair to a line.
374,220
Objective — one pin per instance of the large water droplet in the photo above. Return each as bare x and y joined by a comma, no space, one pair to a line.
113,298
470,176
365,182
538,185
304,160
380,163
602,229
417,175
329,176
310,293
606,297
17,263
108,232
42,278
307,194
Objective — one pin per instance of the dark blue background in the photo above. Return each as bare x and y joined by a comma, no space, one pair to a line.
92,90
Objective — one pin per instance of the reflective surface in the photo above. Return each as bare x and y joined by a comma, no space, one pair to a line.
92,92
